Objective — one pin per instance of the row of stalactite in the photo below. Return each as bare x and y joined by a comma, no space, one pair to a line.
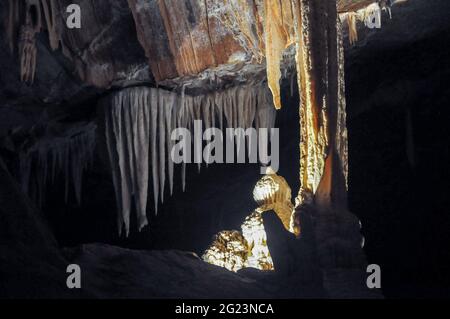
139,123
61,159
26,18
370,16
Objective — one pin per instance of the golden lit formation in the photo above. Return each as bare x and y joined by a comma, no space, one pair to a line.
229,250
233,250
323,133
319,64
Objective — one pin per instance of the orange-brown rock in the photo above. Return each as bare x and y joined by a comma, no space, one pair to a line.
182,37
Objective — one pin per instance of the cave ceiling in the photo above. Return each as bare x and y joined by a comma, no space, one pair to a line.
191,45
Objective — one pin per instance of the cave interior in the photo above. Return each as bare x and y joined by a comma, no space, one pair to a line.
71,99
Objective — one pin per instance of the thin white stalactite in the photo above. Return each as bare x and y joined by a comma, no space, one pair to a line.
170,111
162,98
154,97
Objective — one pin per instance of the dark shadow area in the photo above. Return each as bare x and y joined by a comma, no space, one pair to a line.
398,163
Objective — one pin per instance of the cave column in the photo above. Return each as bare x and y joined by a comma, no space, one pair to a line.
321,205
323,142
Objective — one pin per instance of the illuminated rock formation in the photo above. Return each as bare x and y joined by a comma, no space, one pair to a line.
323,132
277,23
271,193
229,250
366,12
352,29
256,237
179,38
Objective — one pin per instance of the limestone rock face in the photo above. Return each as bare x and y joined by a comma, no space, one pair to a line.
182,37
127,41
100,52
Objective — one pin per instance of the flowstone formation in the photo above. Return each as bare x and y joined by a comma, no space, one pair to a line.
271,193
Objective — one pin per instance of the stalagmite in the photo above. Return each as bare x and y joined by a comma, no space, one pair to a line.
229,250
139,123
271,193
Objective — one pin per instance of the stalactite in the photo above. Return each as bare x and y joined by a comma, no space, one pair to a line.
271,32
140,141
277,30
154,100
27,41
27,54
170,117
139,123
352,29
67,156
29,17
275,40
12,23
369,15
50,13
